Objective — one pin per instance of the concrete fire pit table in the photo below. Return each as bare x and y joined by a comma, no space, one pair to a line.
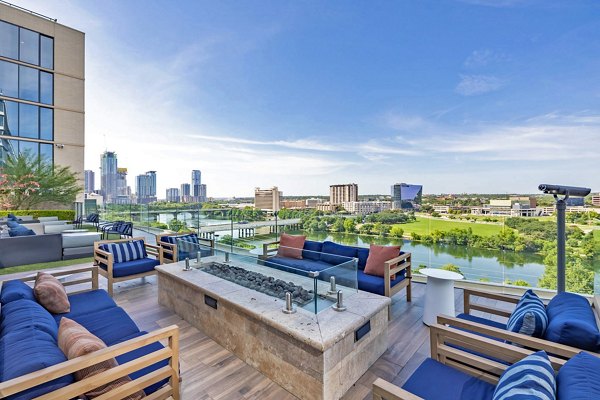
313,356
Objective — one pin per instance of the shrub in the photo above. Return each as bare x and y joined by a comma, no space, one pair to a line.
66,215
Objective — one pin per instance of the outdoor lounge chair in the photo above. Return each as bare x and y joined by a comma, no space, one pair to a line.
174,253
572,322
469,373
124,259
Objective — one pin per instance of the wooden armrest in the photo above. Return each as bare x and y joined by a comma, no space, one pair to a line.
93,269
493,296
530,342
104,254
266,249
468,306
152,246
384,390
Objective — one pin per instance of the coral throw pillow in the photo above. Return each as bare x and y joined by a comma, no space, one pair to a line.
75,341
378,255
291,246
51,294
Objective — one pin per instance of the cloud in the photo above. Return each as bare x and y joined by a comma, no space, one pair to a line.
472,85
482,58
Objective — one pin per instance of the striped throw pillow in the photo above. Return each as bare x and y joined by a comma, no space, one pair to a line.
76,341
532,378
529,317
51,294
188,243
126,251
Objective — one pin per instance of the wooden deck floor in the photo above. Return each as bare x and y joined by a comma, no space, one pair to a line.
209,371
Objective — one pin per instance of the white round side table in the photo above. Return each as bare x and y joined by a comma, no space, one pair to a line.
439,294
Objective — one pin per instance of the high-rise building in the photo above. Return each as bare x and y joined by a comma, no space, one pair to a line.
90,181
42,79
267,199
339,194
146,187
173,195
196,182
123,191
108,177
185,193
202,194
406,196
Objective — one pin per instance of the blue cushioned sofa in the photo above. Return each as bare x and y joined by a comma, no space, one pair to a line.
572,322
319,256
118,266
32,364
469,373
174,253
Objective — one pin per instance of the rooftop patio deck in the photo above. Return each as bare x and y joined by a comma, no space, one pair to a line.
209,371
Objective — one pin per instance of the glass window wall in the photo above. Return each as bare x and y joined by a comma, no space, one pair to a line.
46,124
9,40
29,46
9,79
29,84
29,121
46,90
47,52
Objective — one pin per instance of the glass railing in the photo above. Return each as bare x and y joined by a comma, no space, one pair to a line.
484,249
312,287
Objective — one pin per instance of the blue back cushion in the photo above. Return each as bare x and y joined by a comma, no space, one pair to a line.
363,255
532,378
12,224
12,217
571,321
126,251
20,231
24,315
579,378
169,239
529,317
187,243
15,290
332,252
312,250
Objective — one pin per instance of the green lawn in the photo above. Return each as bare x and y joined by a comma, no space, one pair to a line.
54,264
425,226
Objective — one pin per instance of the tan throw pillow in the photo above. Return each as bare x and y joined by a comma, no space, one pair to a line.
291,246
75,341
51,294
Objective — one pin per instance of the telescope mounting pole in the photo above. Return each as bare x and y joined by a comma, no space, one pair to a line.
561,207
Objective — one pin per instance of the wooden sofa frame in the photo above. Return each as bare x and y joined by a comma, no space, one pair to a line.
169,337
454,347
169,248
106,258
557,349
392,267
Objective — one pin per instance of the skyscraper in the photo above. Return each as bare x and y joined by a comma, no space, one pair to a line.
90,181
173,195
185,193
108,179
196,182
406,196
146,187
202,197
267,199
339,194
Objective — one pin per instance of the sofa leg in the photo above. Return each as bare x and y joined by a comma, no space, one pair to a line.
408,292
110,287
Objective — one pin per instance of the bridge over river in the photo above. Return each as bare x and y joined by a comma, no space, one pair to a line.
246,229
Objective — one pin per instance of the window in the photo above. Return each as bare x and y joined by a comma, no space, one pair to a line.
9,79
47,52
46,95
28,121
46,152
29,147
12,114
28,84
9,40
46,124
29,46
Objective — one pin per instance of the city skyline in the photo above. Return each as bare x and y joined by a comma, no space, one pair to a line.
302,96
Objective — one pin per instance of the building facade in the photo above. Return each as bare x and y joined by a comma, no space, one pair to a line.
42,83
293,204
173,195
267,199
339,194
89,181
196,182
596,200
202,193
108,176
146,187
406,196
366,207
185,193
123,190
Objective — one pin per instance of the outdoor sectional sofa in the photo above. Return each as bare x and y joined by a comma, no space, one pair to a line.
319,256
32,364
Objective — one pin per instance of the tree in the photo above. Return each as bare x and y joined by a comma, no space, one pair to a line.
397,231
338,225
349,225
26,181
578,278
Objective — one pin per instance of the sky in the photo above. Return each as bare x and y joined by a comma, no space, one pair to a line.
486,96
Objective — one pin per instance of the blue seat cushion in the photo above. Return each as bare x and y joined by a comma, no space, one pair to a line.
336,254
20,231
532,378
110,325
433,380
28,351
15,290
579,378
87,303
362,254
374,284
529,316
296,265
126,251
483,321
137,353
12,223
24,315
312,250
133,267
571,322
